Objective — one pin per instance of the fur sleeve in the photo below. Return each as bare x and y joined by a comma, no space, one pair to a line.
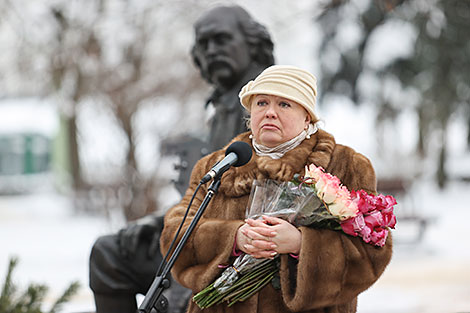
353,169
333,268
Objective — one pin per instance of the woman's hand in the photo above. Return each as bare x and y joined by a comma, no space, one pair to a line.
267,237
254,238
288,238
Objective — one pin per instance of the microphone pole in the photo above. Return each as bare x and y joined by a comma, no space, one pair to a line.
161,281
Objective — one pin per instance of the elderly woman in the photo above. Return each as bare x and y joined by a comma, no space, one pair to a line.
321,270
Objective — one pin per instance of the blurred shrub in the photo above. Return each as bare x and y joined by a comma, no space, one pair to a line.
12,300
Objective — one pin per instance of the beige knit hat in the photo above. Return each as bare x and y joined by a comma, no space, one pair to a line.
285,81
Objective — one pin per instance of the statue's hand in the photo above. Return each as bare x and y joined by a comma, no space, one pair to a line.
146,229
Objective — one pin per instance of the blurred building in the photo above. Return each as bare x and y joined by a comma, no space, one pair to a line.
28,128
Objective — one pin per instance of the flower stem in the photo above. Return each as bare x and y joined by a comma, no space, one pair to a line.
240,290
251,291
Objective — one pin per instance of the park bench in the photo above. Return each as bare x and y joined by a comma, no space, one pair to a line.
405,210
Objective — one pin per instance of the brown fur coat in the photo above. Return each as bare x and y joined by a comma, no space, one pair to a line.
332,268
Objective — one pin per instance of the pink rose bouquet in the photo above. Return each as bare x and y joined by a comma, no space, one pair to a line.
359,213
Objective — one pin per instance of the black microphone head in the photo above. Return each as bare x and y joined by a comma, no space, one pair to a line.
242,150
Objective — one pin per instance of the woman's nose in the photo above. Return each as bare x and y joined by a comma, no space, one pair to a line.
271,111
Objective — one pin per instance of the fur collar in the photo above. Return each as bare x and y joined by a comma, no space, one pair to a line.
318,150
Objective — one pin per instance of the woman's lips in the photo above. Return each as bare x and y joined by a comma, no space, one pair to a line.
270,127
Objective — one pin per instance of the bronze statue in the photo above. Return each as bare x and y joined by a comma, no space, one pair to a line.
230,49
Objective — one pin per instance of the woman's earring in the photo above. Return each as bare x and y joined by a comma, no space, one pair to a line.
308,136
251,136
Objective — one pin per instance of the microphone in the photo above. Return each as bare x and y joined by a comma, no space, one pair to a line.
237,154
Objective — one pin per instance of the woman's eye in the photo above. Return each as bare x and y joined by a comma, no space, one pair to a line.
284,104
261,103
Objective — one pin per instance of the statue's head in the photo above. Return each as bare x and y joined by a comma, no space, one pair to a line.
228,42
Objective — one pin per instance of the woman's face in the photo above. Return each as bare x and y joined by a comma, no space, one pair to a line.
275,120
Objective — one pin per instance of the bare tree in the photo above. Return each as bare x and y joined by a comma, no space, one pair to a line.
438,69
120,54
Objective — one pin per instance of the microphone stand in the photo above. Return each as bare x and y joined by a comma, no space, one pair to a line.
161,281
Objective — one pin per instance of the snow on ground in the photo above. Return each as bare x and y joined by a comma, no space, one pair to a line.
430,276
51,241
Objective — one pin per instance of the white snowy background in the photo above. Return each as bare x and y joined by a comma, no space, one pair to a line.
430,275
